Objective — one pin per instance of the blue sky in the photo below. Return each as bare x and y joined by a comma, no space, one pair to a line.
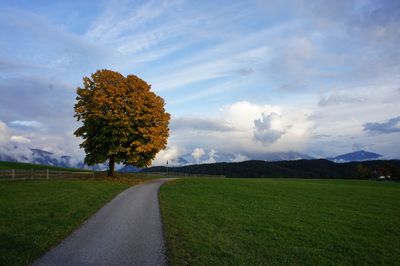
238,77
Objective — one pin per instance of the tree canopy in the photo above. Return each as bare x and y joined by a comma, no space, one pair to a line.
123,120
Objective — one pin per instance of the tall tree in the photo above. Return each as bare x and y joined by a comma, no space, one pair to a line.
123,120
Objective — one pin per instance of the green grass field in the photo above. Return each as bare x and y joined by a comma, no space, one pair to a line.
35,215
27,166
281,222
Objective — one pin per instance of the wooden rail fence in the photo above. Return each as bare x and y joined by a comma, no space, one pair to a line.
24,174
19,174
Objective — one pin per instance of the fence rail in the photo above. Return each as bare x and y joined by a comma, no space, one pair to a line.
24,174
19,174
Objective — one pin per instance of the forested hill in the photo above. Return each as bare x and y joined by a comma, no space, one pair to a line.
298,169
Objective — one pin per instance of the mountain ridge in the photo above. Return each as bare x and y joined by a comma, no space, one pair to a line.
356,156
24,154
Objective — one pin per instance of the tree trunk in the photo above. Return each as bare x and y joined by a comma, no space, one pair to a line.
111,167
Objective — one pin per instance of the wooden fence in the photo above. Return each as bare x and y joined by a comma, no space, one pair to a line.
19,174
24,174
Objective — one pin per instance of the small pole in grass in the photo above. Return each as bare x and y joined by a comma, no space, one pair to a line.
47,174
167,167
31,173
13,174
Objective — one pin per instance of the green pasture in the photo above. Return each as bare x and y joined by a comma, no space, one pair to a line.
281,222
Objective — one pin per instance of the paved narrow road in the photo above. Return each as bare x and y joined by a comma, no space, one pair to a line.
126,231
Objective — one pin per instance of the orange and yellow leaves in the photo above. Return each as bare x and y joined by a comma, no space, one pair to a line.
121,118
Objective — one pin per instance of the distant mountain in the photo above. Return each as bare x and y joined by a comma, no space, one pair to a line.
182,161
219,157
23,154
129,169
283,156
48,158
356,156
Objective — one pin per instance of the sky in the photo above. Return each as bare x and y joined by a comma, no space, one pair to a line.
239,77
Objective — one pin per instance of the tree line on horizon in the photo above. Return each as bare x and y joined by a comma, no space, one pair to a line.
318,168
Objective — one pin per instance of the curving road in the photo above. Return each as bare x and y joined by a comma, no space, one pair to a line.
126,231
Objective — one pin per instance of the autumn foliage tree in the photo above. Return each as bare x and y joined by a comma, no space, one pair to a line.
123,120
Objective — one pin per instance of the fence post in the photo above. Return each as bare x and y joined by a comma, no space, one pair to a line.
31,173
13,174
47,174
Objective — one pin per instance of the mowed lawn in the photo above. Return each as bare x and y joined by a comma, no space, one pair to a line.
35,215
281,222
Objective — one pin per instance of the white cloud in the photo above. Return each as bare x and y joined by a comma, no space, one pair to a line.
336,98
240,158
204,93
20,139
343,124
33,123
197,154
117,20
196,123
213,68
171,154
4,132
241,115
211,157
20,153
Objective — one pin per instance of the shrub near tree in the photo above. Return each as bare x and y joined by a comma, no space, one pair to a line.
123,121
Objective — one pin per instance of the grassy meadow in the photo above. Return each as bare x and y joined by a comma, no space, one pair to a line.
35,215
281,222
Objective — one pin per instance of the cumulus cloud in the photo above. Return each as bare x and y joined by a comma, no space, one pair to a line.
269,128
241,141
242,114
390,126
171,154
211,157
197,154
